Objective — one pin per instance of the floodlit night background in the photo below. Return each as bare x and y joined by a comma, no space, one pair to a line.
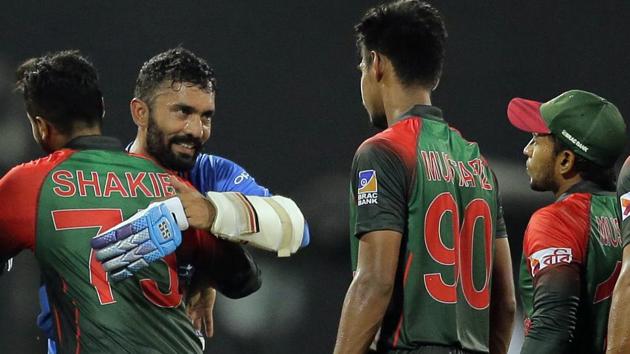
289,110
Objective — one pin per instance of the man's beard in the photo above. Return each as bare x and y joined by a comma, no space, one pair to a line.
163,153
544,184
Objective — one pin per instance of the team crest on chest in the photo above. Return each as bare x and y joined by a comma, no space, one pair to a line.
625,205
367,188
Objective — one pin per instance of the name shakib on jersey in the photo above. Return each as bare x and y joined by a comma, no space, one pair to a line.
128,185
439,166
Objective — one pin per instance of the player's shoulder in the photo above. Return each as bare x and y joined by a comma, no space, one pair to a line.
559,230
572,206
568,216
43,163
207,161
399,139
34,171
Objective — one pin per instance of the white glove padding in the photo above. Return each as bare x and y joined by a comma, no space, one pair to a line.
271,223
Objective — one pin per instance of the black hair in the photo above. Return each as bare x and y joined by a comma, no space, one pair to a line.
411,33
604,176
63,88
177,65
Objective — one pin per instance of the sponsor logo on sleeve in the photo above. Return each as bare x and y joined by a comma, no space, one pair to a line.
625,206
549,256
240,178
368,188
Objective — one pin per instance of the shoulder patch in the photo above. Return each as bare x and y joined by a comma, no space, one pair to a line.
549,256
367,188
624,200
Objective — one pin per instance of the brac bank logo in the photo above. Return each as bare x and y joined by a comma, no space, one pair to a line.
367,188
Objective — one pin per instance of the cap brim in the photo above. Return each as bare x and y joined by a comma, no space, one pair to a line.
525,115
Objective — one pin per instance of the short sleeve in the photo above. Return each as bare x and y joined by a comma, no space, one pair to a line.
378,190
213,173
557,234
19,190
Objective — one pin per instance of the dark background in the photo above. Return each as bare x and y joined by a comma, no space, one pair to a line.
289,111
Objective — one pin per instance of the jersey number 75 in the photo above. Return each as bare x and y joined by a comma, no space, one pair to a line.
103,219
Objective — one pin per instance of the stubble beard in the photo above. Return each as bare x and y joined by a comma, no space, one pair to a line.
543,184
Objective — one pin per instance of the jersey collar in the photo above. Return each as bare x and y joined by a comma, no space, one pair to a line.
585,187
424,111
99,142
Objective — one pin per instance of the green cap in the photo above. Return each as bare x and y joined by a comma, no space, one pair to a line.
588,124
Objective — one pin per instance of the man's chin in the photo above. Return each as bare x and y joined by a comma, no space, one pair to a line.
540,187
184,161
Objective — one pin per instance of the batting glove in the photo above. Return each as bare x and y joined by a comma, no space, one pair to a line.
149,235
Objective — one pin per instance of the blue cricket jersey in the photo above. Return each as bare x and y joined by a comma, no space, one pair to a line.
216,174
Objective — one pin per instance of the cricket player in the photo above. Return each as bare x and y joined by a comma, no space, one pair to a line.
618,324
56,204
571,248
173,107
430,256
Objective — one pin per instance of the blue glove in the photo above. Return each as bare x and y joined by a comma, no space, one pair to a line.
149,235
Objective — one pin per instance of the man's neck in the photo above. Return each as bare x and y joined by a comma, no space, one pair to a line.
138,147
58,141
566,185
398,99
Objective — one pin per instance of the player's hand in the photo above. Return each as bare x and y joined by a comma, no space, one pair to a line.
199,306
199,211
149,235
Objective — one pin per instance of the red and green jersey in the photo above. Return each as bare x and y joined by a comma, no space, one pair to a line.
423,179
623,193
54,206
580,228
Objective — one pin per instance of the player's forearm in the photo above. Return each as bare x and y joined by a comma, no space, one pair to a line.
363,311
553,321
271,223
503,301
237,275
618,325
501,323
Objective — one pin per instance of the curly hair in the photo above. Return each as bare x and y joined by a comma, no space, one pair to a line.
61,87
177,65
411,33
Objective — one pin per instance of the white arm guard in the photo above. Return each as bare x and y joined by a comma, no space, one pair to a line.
271,223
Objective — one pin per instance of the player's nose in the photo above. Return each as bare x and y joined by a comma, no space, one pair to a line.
194,126
527,148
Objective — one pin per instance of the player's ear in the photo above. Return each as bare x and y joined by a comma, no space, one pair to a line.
566,161
43,128
139,112
377,64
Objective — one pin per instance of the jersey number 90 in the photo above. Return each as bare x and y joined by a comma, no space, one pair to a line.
461,256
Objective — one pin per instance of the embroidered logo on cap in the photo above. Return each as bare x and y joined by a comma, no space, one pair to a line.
367,188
